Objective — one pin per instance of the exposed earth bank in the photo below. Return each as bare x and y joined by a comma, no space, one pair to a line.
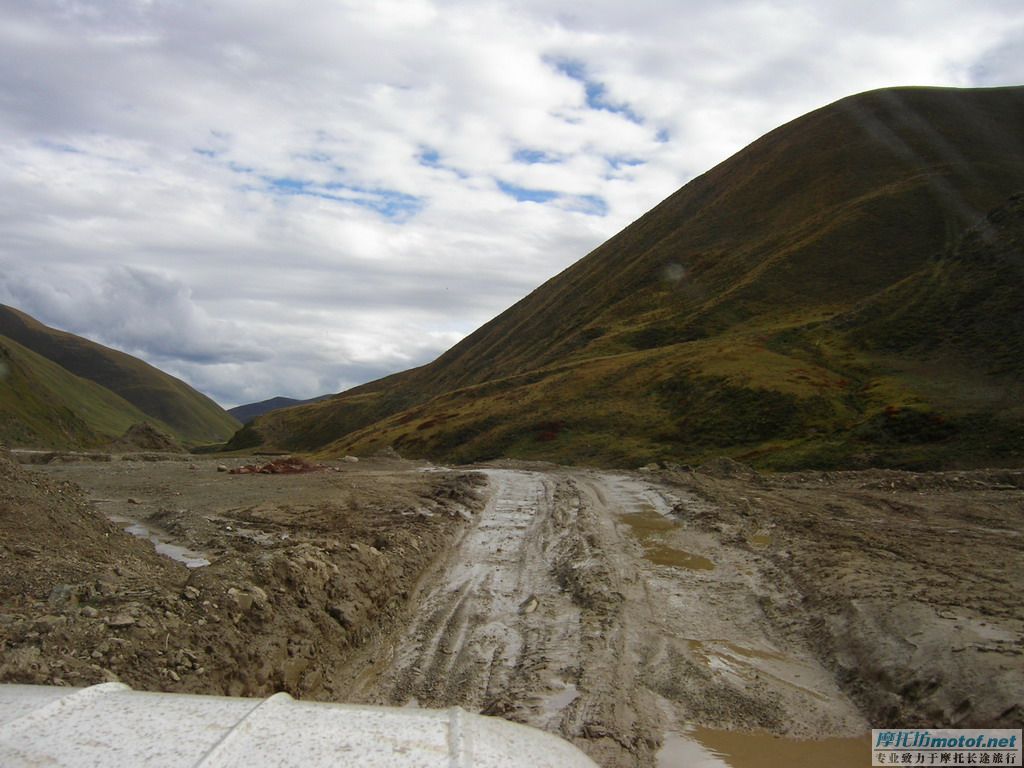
634,613
305,568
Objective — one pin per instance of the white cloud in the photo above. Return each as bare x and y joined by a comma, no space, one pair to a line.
270,199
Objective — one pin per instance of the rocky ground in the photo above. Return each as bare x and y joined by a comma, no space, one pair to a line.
665,617
304,568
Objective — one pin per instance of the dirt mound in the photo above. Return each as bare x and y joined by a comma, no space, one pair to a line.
49,534
286,466
726,468
145,437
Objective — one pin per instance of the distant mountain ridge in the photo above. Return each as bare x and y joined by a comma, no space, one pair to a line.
122,390
249,411
754,313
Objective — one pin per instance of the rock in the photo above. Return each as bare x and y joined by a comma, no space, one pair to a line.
529,605
249,597
350,459
342,613
243,600
190,593
89,612
120,620
63,596
133,500
222,468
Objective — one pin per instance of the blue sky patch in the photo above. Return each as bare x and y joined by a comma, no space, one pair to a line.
430,157
535,157
596,92
525,195
592,205
390,203
620,161
287,185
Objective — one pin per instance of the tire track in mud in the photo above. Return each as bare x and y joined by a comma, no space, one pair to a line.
491,628
468,645
526,621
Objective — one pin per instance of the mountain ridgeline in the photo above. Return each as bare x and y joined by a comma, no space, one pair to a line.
250,411
59,390
846,291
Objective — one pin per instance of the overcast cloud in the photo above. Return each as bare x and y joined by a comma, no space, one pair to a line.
270,198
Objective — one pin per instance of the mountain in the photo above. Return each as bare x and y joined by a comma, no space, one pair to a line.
755,313
45,406
152,394
250,411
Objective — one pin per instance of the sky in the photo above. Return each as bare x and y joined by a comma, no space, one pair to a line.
274,198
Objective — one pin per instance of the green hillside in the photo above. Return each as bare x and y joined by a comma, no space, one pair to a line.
754,313
189,415
44,406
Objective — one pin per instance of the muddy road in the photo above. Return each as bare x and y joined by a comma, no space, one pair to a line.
704,618
579,603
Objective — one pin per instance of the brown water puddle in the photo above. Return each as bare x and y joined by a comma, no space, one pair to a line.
659,554
761,540
710,748
648,526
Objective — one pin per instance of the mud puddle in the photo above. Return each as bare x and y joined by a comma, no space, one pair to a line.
709,748
190,558
761,540
648,527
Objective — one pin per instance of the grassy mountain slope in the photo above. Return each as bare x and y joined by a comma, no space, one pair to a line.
45,406
706,327
190,415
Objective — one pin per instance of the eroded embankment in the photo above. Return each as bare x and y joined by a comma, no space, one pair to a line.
304,570
909,584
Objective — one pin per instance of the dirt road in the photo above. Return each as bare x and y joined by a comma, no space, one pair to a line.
572,605
702,618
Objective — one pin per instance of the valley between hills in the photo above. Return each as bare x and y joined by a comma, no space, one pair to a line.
741,484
